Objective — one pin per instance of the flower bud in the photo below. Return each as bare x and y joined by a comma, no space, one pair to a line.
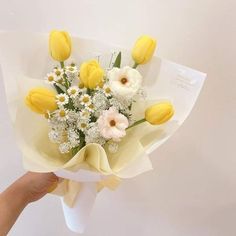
159,113
91,74
60,45
143,49
41,100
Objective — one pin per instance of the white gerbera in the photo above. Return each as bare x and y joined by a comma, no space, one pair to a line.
62,99
112,124
51,78
73,91
124,82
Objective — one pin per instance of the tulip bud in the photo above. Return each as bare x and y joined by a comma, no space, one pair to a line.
91,74
60,45
41,100
143,49
159,113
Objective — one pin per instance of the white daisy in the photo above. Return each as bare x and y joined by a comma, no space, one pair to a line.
62,114
82,88
85,100
90,108
106,90
82,125
71,72
71,69
59,75
73,91
51,78
85,115
58,72
62,99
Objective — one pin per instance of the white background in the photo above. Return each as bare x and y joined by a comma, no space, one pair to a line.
192,191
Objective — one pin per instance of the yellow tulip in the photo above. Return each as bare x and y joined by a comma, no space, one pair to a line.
41,100
91,74
159,113
60,45
143,49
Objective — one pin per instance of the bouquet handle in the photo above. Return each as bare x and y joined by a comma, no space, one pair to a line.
77,217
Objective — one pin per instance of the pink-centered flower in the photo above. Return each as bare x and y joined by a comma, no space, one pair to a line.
112,124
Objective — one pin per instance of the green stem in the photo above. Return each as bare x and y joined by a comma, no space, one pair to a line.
137,123
62,64
89,91
135,65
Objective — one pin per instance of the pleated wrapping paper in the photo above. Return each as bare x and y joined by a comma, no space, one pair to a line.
25,60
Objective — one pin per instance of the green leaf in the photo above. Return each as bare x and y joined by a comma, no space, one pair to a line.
117,62
59,90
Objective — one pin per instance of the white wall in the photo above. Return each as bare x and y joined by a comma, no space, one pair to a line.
192,191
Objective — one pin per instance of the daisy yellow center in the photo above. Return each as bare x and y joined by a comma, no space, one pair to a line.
107,90
85,114
85,99
62,113
61,99
91,106
71,69
50,78
83,125
81,85
58,73
73,91
123,80
112,123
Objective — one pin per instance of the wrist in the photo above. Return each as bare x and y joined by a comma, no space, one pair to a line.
18,194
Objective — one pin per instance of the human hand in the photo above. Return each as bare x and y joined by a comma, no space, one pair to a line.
29,188
35,185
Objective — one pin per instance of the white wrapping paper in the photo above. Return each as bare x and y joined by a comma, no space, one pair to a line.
25,60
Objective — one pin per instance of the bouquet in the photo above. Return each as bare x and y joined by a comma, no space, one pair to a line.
93,119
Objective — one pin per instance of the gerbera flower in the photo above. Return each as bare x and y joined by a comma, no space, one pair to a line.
112,124
124,82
